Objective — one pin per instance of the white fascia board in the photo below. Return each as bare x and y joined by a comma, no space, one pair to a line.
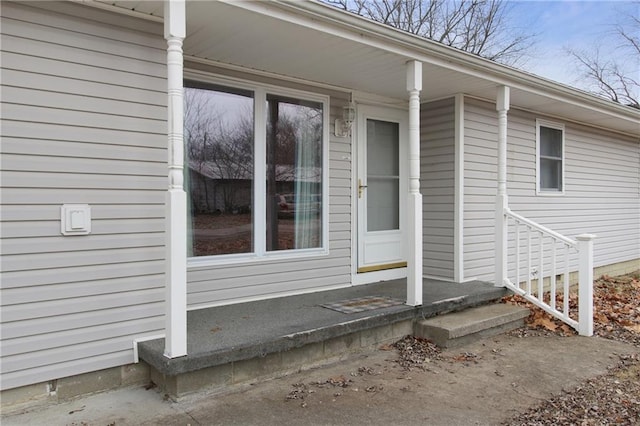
324,18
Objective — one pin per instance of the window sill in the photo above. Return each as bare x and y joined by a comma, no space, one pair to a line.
550,193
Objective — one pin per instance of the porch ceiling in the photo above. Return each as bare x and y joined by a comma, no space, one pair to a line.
316,43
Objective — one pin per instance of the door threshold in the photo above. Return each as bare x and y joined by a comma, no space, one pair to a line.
383,267
377,276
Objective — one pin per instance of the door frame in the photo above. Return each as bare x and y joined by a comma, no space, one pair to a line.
391,114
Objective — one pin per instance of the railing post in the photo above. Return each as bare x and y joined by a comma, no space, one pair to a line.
585,284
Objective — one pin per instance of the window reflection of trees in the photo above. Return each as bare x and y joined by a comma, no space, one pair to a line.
219,172
294,173
219,150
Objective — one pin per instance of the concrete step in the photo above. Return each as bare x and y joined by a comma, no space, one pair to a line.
460,328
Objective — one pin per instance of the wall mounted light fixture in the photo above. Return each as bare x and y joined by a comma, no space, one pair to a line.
343,125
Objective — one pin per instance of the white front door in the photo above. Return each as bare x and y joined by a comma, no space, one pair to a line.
381,188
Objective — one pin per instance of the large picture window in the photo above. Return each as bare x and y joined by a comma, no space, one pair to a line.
550,157
233,139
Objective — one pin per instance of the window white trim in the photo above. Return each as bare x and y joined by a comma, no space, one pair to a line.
551,125
260,92
260,167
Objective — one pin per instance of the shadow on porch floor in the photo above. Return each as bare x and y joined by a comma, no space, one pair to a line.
229,335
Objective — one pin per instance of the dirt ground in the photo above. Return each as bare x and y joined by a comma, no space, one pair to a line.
533,376
485,383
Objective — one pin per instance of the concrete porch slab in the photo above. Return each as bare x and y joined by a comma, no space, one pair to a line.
284,332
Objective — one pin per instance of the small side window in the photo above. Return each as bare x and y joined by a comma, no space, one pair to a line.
550,158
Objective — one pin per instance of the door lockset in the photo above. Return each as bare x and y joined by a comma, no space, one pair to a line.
360,188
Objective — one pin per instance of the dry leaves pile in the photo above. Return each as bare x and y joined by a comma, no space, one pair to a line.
336,385
415,352
611,399
617,313
616,310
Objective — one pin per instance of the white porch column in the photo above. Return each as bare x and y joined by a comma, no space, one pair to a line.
176,198
502,201
414,228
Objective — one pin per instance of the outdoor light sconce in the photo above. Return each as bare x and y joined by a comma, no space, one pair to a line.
343,125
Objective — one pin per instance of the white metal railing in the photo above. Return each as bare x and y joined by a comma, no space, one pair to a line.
538,252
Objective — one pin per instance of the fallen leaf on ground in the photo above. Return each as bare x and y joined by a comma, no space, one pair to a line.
616,312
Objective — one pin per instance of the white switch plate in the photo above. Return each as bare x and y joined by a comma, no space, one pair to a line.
75,219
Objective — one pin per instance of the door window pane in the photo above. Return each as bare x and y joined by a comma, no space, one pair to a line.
382,148
383,180
294,173
382,204
219,145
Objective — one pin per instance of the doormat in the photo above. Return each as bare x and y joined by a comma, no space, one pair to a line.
367,303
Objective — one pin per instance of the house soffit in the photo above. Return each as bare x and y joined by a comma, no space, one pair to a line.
305,41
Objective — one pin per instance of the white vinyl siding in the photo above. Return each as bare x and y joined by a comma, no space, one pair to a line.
601,187
437,184
218,284
83,121
480,174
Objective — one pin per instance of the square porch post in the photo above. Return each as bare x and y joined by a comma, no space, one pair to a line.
502,201
176,197
414,256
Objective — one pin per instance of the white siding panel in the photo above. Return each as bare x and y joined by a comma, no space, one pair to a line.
602,187
13,379
258,273
437,178
51,308
58,163
86,42
77,336
18,295
50,99
21,262
83,121
85,73
93,139
98,89
277,287
77,118
90,181
32,196
108,241
34,229
78,274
